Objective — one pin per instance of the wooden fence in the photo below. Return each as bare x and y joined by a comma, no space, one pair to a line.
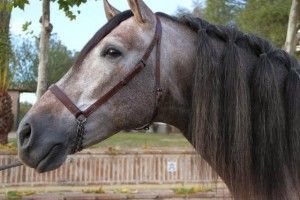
113,167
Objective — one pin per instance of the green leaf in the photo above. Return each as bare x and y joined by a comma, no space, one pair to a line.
26,25
20,3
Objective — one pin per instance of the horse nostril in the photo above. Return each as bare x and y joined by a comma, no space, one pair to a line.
24,135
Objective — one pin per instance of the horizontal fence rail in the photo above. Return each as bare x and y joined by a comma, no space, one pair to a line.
113,167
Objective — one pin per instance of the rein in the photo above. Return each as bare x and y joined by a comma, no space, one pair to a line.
82,115
14,164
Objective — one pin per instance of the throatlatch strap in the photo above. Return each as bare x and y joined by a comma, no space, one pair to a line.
157,87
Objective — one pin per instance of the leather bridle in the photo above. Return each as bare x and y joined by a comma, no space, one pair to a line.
82,115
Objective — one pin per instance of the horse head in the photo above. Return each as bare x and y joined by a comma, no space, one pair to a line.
114,85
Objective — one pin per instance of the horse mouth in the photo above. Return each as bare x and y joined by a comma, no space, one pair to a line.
52,160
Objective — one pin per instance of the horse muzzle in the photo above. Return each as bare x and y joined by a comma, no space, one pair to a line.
40,147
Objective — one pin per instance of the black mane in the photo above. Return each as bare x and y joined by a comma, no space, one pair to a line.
245,115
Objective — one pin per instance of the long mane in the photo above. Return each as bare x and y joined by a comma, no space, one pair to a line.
245,115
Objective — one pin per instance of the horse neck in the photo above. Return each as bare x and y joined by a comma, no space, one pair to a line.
177,61
178,68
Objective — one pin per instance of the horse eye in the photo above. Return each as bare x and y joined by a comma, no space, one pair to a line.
111,52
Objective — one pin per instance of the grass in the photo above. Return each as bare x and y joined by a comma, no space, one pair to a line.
192,190
125,140
124,190
11,147
143,140
18,195
99,190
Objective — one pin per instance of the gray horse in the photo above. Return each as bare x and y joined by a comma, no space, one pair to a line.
235,97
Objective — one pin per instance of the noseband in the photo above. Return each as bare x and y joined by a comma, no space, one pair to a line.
82,115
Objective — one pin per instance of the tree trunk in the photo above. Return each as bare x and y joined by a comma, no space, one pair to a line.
5,12
294,19
6,116
44,49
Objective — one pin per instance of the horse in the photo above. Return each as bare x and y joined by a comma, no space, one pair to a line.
234,96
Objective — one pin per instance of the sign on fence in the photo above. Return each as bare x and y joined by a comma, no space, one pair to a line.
172,166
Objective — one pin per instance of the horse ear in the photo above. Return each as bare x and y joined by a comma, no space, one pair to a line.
141,11
110,11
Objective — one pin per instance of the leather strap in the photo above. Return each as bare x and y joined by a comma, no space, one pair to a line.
157,88
61,96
